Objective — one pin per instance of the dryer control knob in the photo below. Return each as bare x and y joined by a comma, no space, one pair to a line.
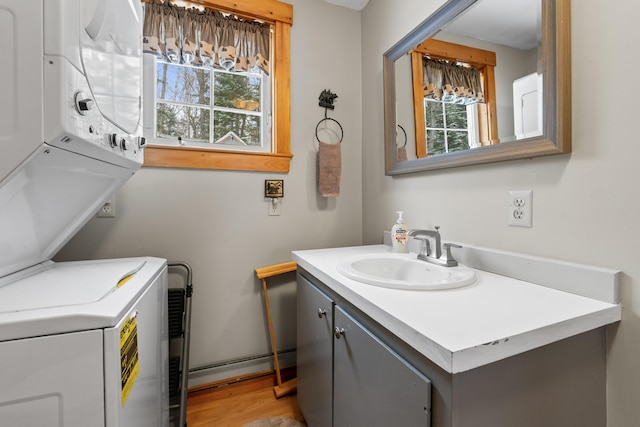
113,140
125,144
83,103
142,142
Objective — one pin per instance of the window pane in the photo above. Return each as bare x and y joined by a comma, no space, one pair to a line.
236,128
435,142
183,83
456,116
458,140
433,114
181,121
240,91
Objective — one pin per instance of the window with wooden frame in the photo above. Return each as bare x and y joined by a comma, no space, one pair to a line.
482,60
279,16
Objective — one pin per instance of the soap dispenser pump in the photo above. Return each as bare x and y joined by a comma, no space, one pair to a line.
399,235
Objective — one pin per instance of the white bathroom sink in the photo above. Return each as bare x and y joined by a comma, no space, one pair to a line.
405,271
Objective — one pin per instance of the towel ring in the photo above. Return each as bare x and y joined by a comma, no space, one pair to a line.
405,137
333,120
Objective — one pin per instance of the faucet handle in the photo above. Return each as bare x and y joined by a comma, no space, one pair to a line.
446,256
438,246
425,247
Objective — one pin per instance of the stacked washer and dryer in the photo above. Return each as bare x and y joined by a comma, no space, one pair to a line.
82,344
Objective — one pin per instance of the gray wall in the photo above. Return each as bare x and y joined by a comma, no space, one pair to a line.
585,206
217,220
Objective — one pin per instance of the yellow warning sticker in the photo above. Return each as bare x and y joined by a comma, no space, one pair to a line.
129,362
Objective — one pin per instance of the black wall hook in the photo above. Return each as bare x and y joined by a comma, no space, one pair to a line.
327,98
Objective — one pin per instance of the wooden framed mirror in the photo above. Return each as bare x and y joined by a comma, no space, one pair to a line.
442,37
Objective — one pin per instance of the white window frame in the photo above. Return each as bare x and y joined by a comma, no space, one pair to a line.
150,102
472,124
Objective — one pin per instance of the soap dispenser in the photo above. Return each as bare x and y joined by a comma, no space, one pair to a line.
399,236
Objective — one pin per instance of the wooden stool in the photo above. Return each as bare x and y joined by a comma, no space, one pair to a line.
263,273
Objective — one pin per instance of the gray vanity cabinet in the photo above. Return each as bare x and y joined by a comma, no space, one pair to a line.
314,354
367,376
372,385
347,377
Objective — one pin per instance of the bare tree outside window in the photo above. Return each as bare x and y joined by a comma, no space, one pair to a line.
209,105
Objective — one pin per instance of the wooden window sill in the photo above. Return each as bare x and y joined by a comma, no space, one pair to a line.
199,158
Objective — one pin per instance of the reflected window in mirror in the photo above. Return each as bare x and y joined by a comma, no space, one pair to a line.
449,126
454,97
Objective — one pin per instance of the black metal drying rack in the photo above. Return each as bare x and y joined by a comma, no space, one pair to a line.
179,313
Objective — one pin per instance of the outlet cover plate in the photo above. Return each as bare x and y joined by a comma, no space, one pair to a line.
108,210
520,212
273,208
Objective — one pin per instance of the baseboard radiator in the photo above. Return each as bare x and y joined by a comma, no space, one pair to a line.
239,367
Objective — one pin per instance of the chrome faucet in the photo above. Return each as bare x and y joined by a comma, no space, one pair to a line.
425,236
434,255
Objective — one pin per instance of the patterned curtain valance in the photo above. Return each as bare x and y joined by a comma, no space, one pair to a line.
450,82
205,37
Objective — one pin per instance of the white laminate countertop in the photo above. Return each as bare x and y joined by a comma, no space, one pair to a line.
461,329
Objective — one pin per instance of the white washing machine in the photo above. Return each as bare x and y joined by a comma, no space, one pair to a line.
81,343
85,344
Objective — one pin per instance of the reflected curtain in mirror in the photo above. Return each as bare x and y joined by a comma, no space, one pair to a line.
449,81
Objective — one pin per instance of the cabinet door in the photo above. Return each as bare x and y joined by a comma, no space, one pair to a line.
373,386
314,354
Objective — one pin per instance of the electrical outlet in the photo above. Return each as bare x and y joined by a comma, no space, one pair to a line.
274,207
521,208
108,210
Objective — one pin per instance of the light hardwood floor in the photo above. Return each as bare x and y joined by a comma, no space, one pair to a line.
233,404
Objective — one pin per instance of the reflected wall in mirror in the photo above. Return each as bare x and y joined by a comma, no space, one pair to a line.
479,81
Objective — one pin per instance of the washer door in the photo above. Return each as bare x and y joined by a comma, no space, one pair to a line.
53,381
111,54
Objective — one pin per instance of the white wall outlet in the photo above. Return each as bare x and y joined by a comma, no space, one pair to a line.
521,208
274,206
108,210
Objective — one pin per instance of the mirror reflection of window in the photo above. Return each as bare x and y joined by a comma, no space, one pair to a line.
450,127
459,82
